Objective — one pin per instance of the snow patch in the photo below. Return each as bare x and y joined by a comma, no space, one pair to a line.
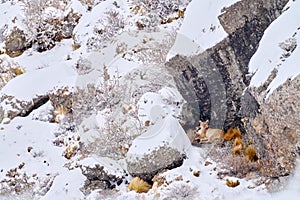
31,84
165,131
201,28
270,56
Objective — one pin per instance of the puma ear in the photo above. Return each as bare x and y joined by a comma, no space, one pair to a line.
207,121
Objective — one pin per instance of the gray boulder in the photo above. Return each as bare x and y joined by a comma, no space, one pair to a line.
16,43
163,146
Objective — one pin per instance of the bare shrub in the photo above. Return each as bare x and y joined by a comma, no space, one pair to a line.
154,52
289,45
106,29
15,183
116,136
239,166
83,66
96,97
231,164
9,70
180,190
162,8
15,42
11,1
121,123
90,3
19,184
149,22
47,23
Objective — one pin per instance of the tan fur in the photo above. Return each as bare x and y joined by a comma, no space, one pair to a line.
206,134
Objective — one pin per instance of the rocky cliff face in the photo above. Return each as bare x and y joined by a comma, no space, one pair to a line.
275,129
219,75
215,84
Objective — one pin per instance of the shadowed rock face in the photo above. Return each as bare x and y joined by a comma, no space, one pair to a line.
277,128
214,81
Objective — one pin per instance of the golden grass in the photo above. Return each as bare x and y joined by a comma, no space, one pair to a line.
139,185
237,146
17,71
59,113
70,151
232,133
250,153
230,183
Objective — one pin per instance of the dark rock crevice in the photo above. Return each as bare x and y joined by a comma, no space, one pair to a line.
20,108
36,104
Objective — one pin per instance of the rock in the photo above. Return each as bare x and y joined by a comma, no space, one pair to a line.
16,43
101,173
237,15
11,107
163,146
1,113
275,130
213,82
281,110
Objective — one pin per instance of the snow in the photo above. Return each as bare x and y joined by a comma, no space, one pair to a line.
165,131
85,28
168,98
53,69
110,166
269,54
292,190
32,60
9,12
201,28
42,160
18,136
64,186
32,84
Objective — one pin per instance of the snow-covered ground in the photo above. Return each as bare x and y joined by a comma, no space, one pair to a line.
26,144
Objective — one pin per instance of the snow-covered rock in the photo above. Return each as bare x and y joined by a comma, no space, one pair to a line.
278,50
101,173
163,146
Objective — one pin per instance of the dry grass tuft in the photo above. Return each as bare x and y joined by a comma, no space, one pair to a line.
237,146
139,185
232,133
18,70
250,153
70,151
59,113
230,183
